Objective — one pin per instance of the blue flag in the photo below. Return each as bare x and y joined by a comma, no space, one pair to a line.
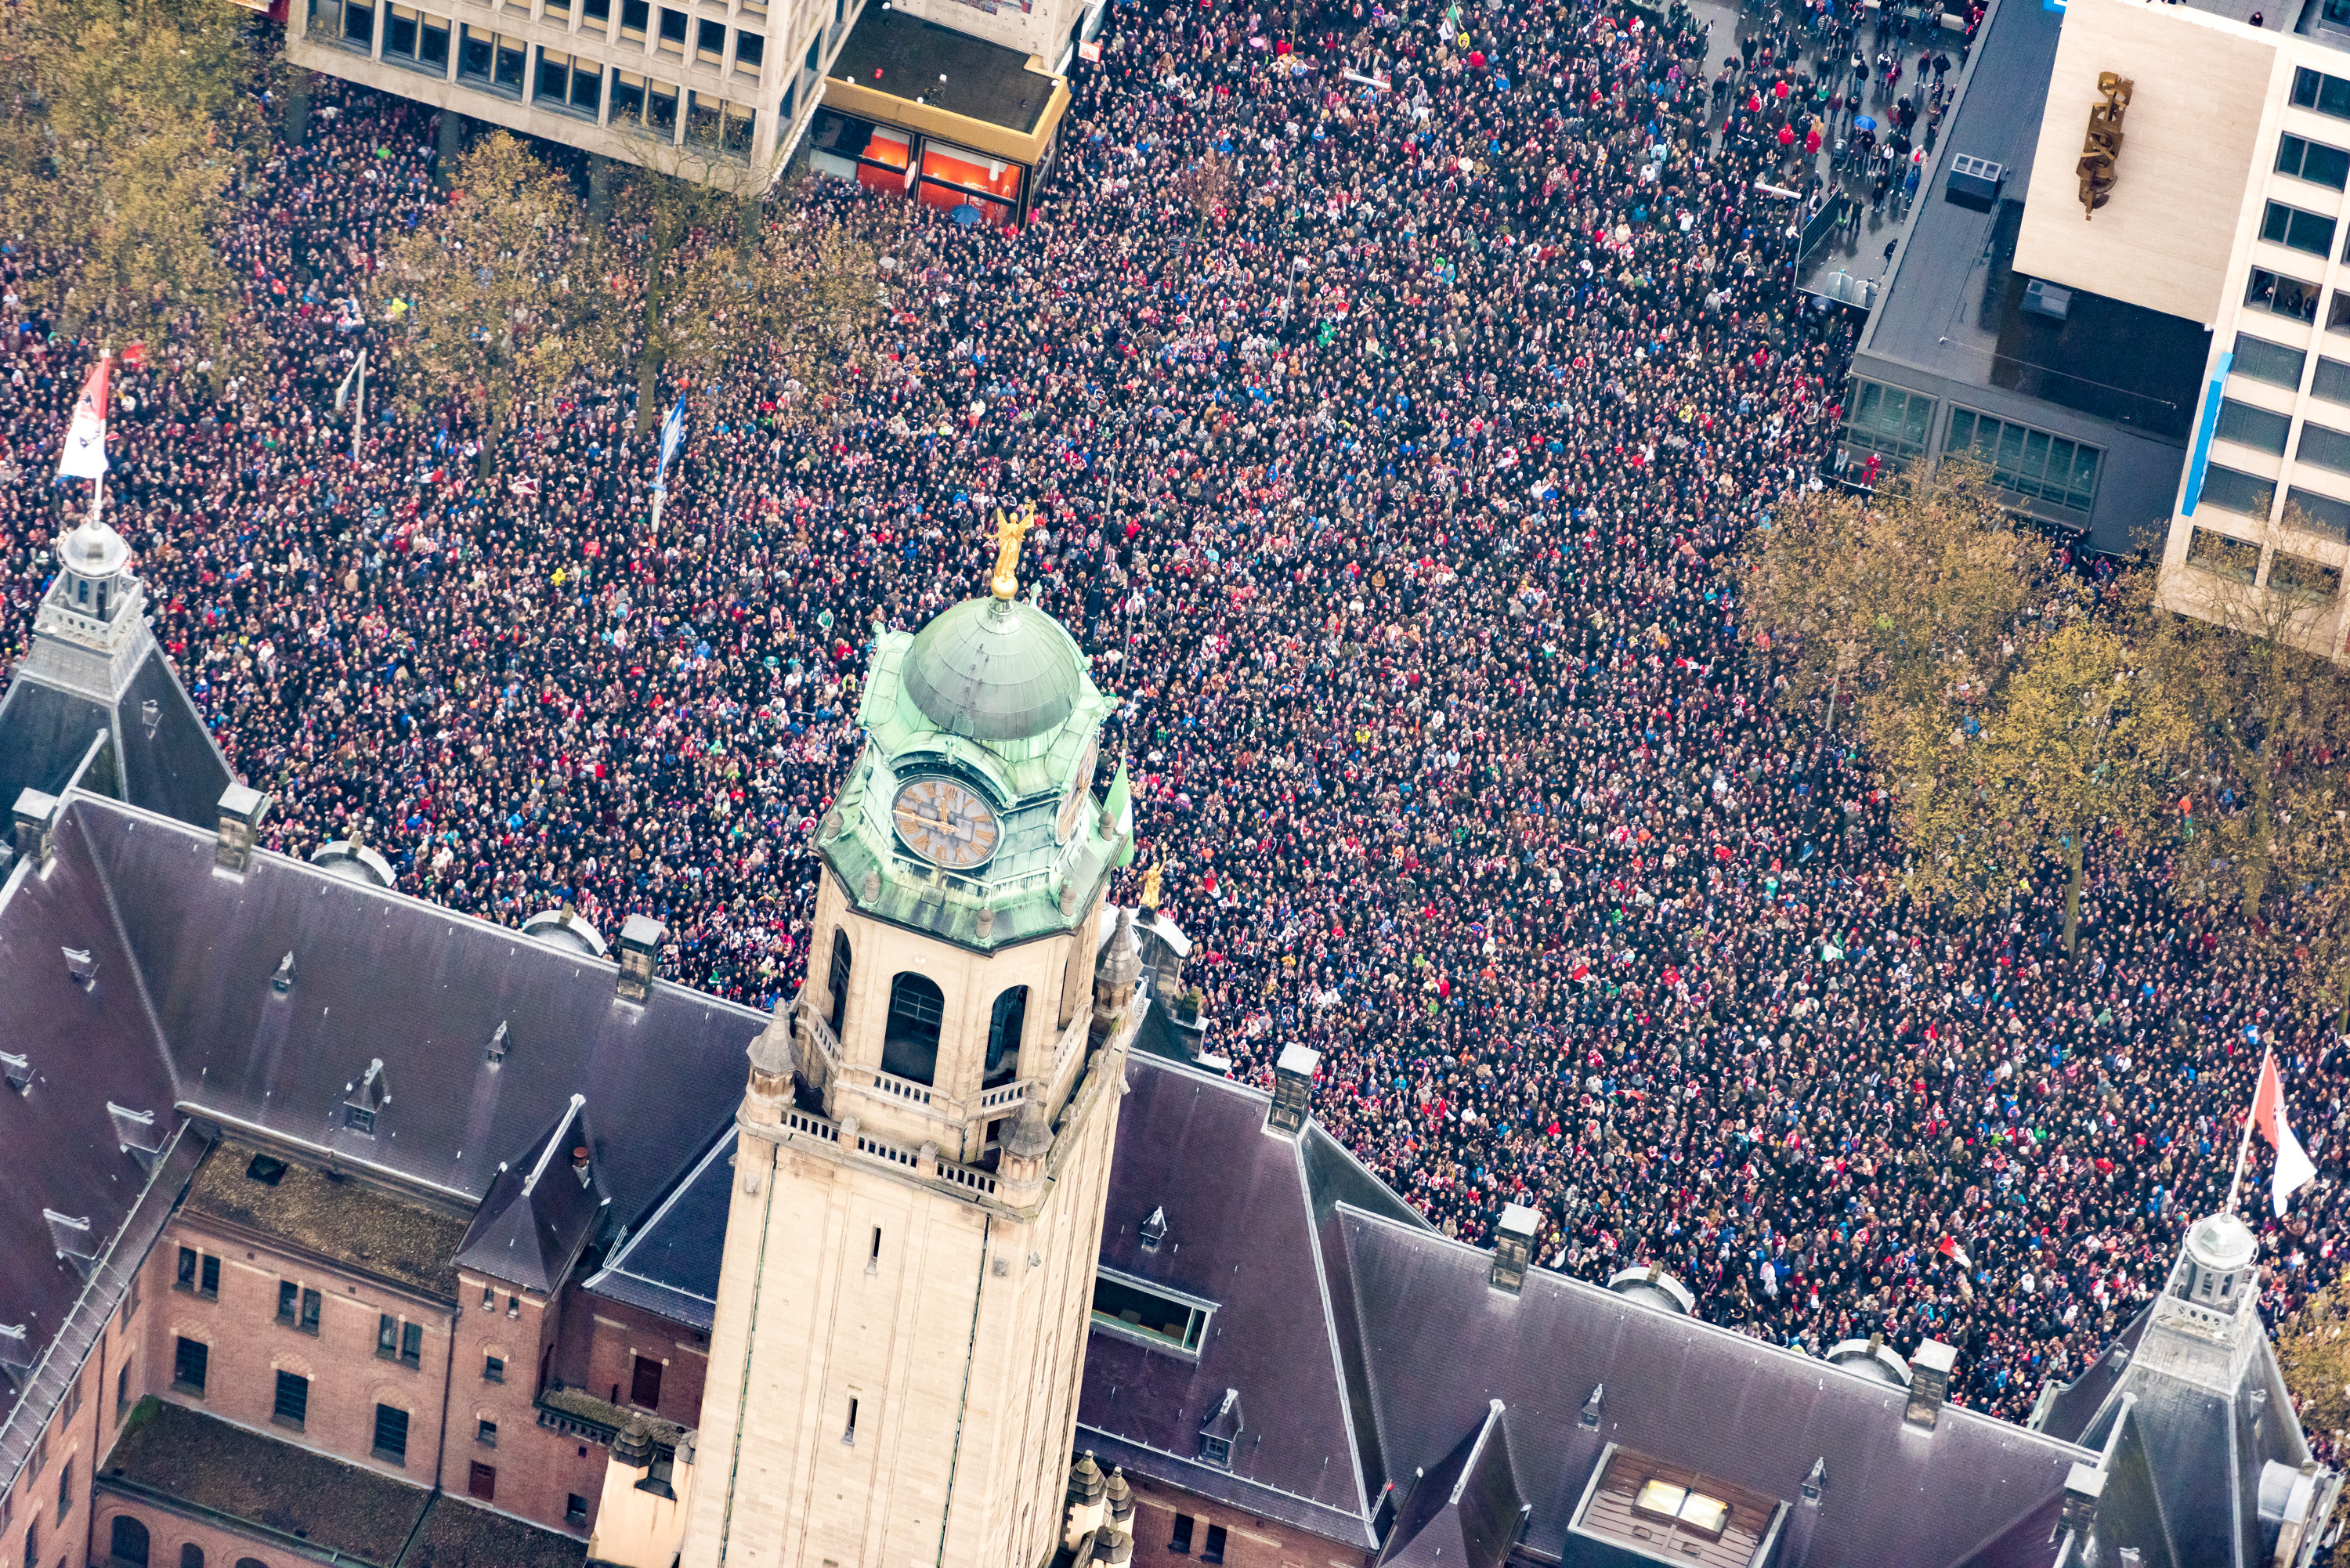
673,437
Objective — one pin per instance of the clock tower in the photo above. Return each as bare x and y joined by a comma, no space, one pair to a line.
923,1150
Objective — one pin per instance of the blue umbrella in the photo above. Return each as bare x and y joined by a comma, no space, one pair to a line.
1865,122
965,214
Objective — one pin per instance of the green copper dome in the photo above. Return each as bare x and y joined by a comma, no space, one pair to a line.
989,670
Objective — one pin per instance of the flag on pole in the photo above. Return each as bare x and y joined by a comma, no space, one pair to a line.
1950,1248
84,454
350,379
2293,1168
673,437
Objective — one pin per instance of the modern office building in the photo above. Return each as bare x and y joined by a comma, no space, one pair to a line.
2125,294
2226,208
966,95
2078,394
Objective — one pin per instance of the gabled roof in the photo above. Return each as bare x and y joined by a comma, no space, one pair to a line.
1239,1205
669,1263
380,976
540,1211
61,697
1431,1343
85,1047
1466,1512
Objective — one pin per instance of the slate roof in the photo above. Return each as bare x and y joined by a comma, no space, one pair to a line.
175,768
1360,1340
1240,1208
540,1211
181,1020
669,1263
1465,1513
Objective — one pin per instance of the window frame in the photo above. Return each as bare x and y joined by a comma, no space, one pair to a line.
378,1447
300,1388
2014,445
2264,300
1200,1309
1864,430
2251,351
201,1358
2297,228
2320,93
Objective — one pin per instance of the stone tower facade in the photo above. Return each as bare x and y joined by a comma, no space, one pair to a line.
927,1133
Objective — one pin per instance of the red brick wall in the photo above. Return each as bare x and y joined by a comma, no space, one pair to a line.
55,1499
1250,1541
168,1532
248,1346
621,1334
538,1470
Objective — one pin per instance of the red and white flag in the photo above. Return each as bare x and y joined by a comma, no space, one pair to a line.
1950,1248
84,454
2294,1169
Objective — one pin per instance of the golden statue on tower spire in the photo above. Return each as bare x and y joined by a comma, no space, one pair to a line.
1009,532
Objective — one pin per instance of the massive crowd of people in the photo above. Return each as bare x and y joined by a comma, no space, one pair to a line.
1393,481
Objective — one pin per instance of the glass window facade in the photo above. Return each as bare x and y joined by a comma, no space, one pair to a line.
2029,462
1889,419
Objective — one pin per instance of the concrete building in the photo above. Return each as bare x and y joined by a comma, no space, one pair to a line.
2158,354
2081,401
338,1228
2226,209
968,94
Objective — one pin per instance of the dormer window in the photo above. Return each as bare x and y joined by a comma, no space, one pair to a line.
1220,1430
1154,1231
364,1099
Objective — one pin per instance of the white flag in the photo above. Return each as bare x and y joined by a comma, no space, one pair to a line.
84,454
343,392
672,436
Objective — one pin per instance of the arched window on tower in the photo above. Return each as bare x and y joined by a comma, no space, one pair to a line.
910,1044
840,961
1004,1030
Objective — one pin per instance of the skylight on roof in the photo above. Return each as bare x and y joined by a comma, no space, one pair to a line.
1693,1510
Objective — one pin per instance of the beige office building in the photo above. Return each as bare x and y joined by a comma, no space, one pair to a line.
2227,209
724,90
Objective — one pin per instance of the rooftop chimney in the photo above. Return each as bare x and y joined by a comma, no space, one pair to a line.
36,828
2083,1487
1929,1382
242,808
1292,1089
640,940
1513,1247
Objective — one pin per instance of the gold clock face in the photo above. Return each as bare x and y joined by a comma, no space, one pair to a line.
945,822
1073,809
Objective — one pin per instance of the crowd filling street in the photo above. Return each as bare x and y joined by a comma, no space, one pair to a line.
1393,474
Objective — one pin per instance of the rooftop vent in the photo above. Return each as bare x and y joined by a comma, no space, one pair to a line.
281,979
497,1053
566,928
1589,1419
1292,1089
81,966
641,939
1154,1231
1929,1382
18,1071
37,827
1973,183
1220,1430
1815,1480
136,1134
72,1239
241,808
1871,1358
353,862
1652,1286
2044,298
1513,1247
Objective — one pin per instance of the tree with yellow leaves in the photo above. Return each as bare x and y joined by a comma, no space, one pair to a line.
119,152
500,288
